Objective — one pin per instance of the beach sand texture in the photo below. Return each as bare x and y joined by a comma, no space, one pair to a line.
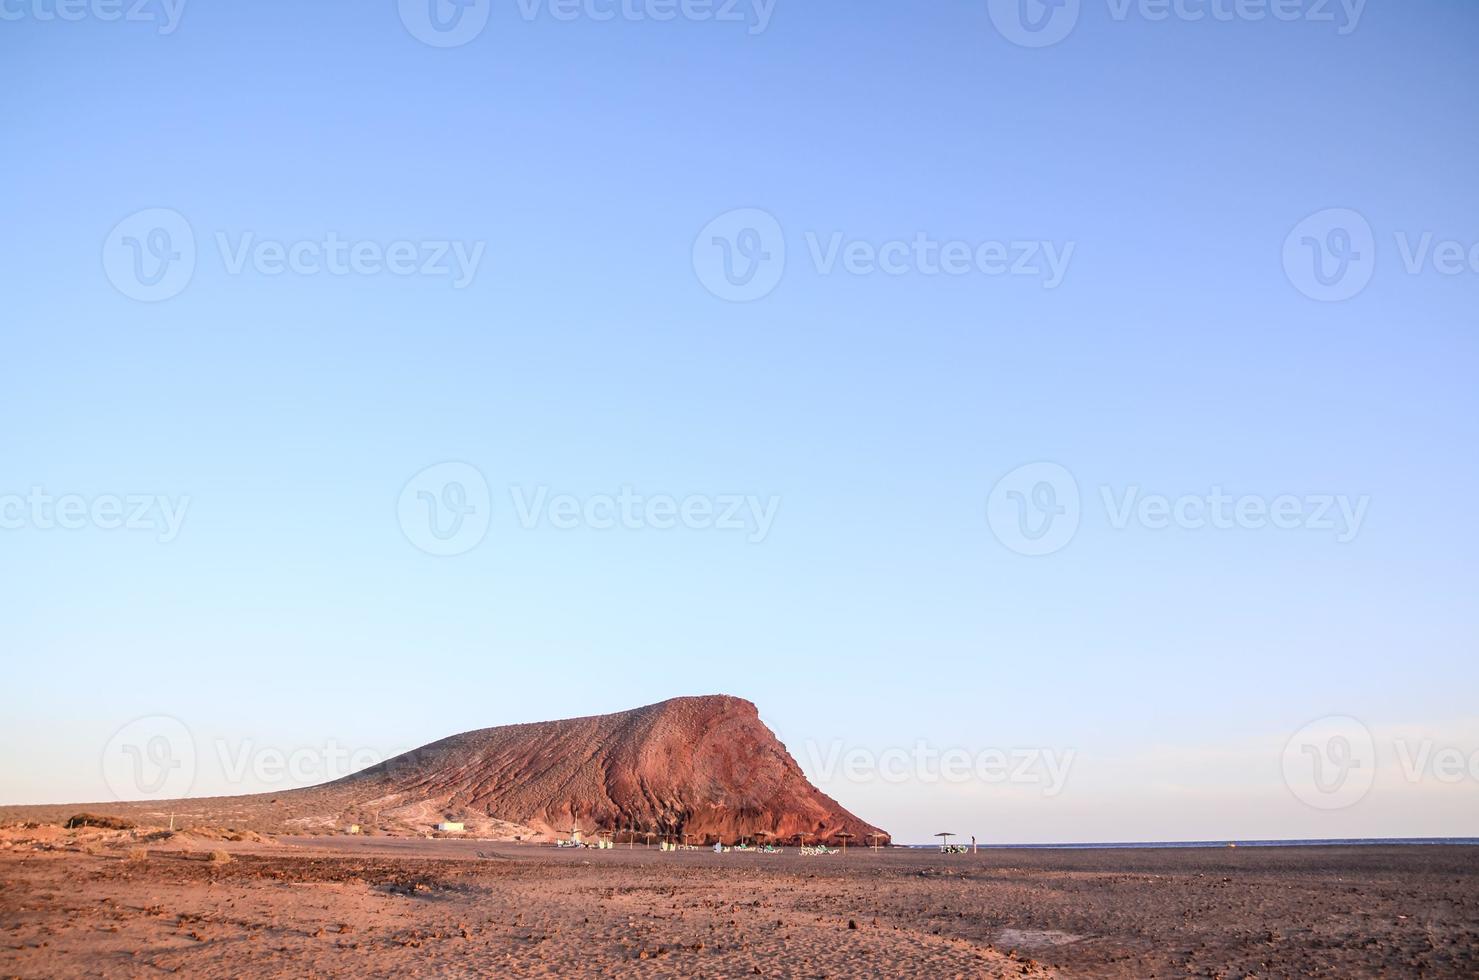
100,903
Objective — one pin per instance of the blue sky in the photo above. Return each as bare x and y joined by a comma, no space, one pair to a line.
1182,349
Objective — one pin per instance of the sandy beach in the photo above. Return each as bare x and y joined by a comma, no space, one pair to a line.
103,903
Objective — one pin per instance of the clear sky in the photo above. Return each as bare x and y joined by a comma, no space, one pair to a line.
1131,219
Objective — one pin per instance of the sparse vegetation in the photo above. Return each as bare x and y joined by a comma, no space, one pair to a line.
96,821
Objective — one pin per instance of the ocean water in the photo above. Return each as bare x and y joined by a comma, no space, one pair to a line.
1331,842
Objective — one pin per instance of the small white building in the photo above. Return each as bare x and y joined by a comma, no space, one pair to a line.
451,827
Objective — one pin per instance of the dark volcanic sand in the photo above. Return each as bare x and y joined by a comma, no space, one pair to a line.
411,906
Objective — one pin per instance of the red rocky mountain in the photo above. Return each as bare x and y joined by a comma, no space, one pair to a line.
707,767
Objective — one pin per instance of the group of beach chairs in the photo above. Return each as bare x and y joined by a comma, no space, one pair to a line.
806,851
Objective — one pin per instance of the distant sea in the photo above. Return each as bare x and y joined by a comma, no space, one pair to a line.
1332,842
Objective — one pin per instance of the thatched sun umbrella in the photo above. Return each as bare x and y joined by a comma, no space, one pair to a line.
946,835
843,835
874,838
